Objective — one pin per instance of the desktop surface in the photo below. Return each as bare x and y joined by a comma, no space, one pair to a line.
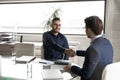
32,71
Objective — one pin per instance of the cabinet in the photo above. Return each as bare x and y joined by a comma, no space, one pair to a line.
6,49
7,36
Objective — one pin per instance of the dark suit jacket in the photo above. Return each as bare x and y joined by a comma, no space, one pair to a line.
97,56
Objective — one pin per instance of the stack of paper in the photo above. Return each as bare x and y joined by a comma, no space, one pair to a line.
25,59
43,61
62,62
52,74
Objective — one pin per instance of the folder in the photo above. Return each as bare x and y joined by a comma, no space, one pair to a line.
52,74
25,59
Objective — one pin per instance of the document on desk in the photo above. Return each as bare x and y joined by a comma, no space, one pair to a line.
46,62
52,74
62,62
25,59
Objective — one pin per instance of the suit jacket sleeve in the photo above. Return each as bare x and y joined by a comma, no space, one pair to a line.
81,53
91,61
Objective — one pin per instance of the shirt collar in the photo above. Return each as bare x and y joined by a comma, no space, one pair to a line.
92,39
53,34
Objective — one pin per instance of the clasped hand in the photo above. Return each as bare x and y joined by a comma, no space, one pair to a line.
70,52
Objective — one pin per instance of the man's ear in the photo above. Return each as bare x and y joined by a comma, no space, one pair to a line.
91,32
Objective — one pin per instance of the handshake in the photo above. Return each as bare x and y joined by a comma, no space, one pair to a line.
70,52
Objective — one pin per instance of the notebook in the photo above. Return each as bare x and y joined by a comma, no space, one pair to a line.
52,74
25,59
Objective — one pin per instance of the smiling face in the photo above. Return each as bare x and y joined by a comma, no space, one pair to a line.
56,26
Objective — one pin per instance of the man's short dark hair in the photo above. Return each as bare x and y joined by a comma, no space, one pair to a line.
95,24
55,19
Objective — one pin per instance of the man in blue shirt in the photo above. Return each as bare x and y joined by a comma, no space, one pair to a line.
54,42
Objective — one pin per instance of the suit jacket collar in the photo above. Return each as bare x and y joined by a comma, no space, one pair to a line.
96,37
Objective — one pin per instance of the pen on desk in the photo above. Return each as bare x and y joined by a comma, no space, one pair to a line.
43,62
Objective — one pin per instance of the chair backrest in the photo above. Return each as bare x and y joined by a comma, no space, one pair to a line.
42,52
6,49
24,49
111,72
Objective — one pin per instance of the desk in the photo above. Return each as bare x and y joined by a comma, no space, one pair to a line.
19,71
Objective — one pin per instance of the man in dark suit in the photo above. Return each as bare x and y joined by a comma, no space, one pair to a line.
98,54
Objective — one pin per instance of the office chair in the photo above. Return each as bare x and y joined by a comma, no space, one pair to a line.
111,72
24,49
42,52
6,49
